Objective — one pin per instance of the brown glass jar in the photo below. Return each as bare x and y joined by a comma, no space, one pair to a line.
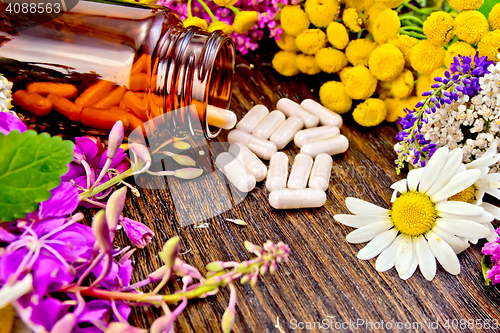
177,71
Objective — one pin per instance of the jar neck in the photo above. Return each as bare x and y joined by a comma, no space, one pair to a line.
193,69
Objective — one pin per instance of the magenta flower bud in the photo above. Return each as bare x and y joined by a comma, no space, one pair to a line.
141,151
138,233
158,274
114,208
101,231
229,315
165,324
115,139
170,251
118,327
65,324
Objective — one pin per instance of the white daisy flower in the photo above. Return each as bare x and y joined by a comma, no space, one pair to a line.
487,183
421,225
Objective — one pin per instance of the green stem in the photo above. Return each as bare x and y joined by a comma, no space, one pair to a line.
113,181
412,28
411,18
426,11
235,10
413,34
209,12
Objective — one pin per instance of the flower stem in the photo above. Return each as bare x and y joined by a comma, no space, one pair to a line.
408,17
209,12
235,10
113,181
413,34
423,11
190,13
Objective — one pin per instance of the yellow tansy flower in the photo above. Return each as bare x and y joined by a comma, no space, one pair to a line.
438,27
372,13
489,46
391,105
386,62
332,95
402,86
404,43
331,60
359,82
390,3
386,26
294,20
407,103
455,49
195,21
426,57
219,25
284,63
337,35
311,41
461,5
471,26
244,21
494,17
425,82
286,42
307,64
360,5
370,113
358,51
352,20
322,12
384,89
225,3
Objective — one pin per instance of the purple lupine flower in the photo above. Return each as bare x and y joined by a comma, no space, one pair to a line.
89,157
9,122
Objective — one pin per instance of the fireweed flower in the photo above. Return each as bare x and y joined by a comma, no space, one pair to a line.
89,157
421,225
9,122
493,249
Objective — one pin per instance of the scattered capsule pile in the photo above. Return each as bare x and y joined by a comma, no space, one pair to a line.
260,134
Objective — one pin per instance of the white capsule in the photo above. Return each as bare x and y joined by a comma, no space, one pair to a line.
315,134
249,160
332,146
221,118
262,148
285,133
297,198
235,172
269,125
290,108
252,118
326,116
301,169
321,172
278,172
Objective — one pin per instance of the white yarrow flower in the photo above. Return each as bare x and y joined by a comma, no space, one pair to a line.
422,225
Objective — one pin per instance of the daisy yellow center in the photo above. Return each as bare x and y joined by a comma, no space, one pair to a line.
467,195
413,213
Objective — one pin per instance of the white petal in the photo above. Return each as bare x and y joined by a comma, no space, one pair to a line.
483,218
367,233
377,245
404,255
458,207
413,266
463,228
426,260
457,244
413,178
358,221
387,258
486,182
493,235
400,186
494,176
361,207
453,163
433,169
473,240
457,184
483,161
394,196
443,253
479,196
494,210
13,292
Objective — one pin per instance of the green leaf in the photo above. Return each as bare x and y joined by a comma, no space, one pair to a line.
31,165
487,6
486,265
